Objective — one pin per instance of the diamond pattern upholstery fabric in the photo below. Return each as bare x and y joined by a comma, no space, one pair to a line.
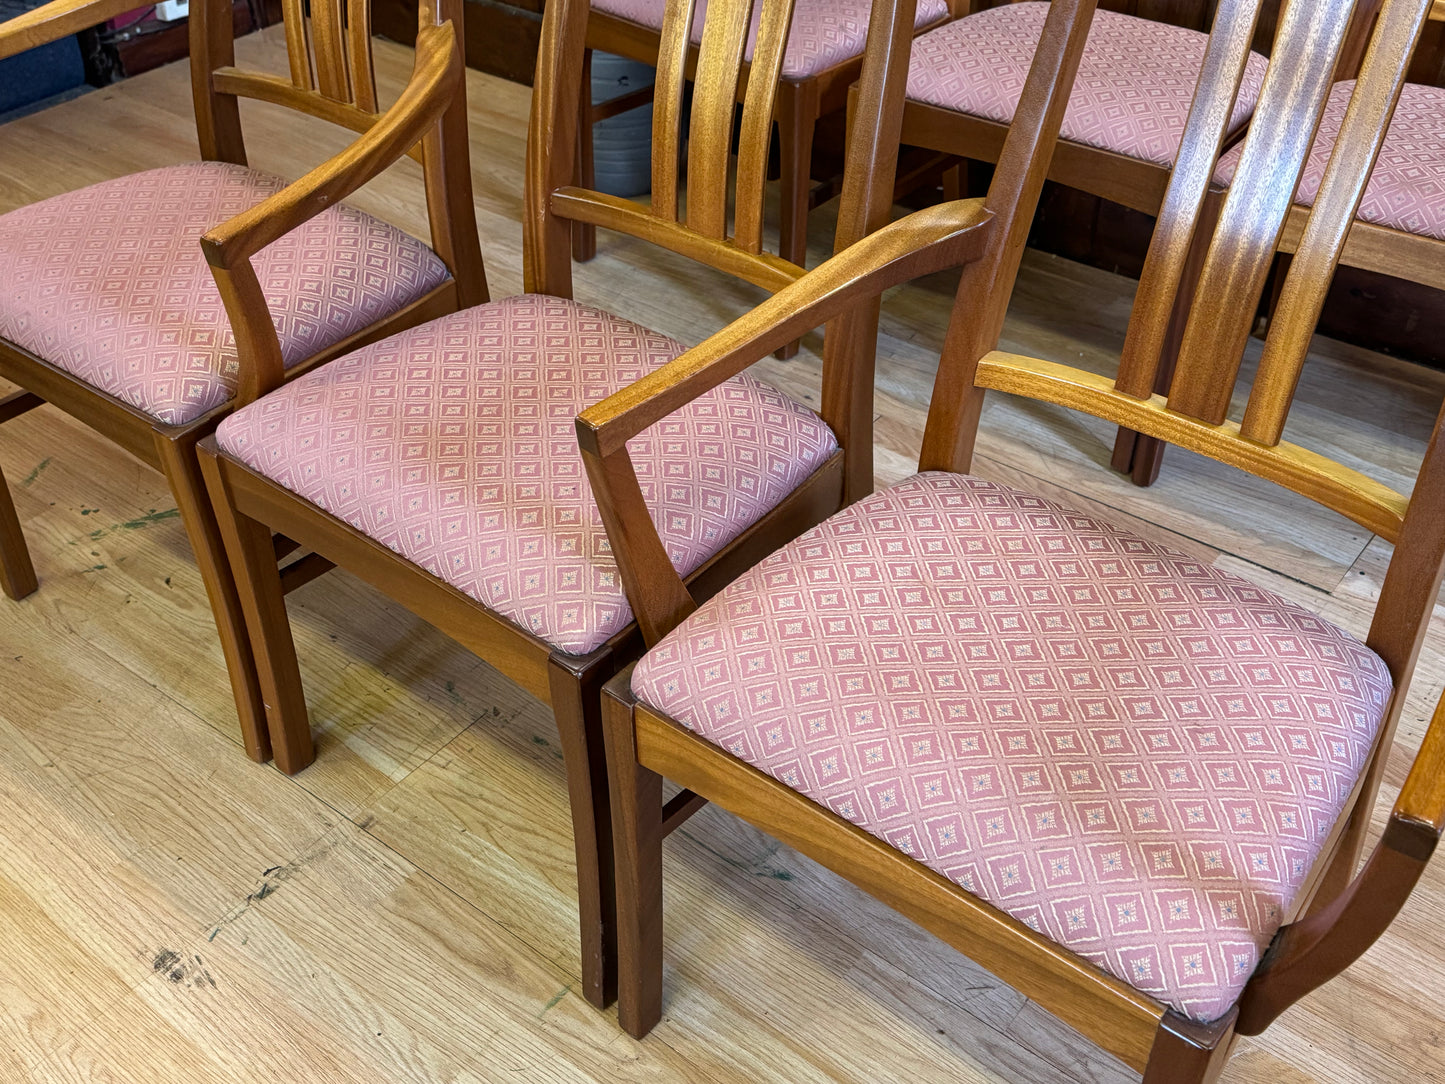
453,443
108,283
824,33
1134,753
1135,83
1407,188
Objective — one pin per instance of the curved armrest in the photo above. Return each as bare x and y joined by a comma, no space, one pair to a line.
1313,950
229,246
922,243
55,20
926,241
427,94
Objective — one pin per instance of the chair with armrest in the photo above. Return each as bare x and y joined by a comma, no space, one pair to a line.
109,310
1133,786
440,466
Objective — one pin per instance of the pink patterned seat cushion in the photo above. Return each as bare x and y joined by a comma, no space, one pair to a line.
1132,94
109,284
1134,753
824,33
1407,188
453,444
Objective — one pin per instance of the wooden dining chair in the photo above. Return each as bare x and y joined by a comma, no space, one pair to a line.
1399,229
151,305
439,465
1132,785
823,58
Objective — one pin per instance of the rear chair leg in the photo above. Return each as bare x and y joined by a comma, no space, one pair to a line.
584,234
17,574
797,114
637,839
258,583
178,462
575,702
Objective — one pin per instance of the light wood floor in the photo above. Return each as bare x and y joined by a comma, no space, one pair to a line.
404,910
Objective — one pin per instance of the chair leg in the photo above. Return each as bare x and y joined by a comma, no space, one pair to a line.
584,234
182,471
637,837
576,702
797,117
1188,1053
252,557
17,573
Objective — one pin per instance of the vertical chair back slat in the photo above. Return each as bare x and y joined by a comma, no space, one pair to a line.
1281,131
1179,215
1361,135
328,47
358,54
298,46
757,122
714,98
668,95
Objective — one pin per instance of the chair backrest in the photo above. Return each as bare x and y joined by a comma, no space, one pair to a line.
688,212
1235,238
332,77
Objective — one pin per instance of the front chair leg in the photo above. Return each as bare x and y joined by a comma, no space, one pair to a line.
17,574
1188,1053
258,582
637,839
575,694
182,471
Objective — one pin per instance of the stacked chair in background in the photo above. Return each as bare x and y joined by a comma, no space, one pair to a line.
1399,228
134,305
440,465
1132,785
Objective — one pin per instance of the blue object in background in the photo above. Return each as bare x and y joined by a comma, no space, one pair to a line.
40,73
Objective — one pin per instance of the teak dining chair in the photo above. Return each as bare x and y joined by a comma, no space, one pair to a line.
1399,229
1131,785
440,466
822,60
109,310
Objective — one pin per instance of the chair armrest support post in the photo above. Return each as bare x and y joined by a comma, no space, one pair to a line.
1310,952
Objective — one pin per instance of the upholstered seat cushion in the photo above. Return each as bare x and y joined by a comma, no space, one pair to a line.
454,444
1132,752
109,284
1135,82
823,34
1407,188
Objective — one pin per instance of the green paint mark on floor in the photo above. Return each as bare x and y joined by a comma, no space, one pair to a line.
30,478
150,519
558,996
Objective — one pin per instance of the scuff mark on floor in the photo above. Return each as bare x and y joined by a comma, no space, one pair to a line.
180,971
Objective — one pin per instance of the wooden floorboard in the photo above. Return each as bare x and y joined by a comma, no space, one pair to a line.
404,909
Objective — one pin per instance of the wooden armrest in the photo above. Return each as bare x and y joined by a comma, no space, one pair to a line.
229,247
55,20
426,97
1310,952
926,241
